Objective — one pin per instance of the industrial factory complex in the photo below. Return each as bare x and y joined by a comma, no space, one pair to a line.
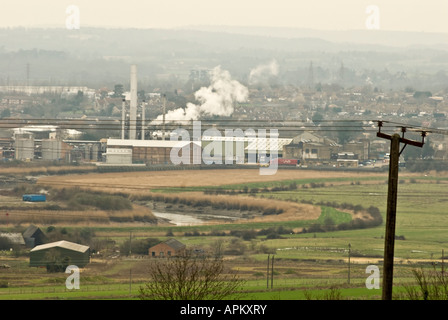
137,144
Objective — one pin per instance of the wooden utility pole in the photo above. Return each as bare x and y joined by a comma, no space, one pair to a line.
130,243
389,242
271,266
130,281
442,264
349,249
267,275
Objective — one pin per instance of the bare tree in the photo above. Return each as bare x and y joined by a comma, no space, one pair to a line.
190,277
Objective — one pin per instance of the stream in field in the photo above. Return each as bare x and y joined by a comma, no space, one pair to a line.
190,220
179,219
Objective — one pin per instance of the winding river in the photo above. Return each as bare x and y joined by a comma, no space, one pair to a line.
179,219
190,220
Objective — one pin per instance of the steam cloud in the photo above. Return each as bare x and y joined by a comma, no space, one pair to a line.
262,72
216,99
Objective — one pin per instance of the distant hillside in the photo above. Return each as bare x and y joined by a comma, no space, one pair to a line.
371,37
207,39
98,56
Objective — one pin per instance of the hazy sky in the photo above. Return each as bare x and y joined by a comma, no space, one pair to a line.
411,15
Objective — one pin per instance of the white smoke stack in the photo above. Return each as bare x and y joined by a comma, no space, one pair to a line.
123,117
133,105
143,119
163,114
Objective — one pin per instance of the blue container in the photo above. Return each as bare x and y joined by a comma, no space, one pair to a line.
34,197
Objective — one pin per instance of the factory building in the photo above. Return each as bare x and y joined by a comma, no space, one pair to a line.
129,150
240,149
150,152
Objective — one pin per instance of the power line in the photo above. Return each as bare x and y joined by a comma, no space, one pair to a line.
281,124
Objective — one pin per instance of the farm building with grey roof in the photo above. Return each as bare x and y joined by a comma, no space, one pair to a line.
77,254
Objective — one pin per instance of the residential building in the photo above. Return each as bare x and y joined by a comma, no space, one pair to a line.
166,249
311,148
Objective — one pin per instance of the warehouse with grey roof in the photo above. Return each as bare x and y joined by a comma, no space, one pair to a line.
77,254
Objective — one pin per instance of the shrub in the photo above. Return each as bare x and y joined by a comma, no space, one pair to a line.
315,227
102,202
431,285
270,211
244,234
138,246
273,235
190,278
5,244
249,234
58,264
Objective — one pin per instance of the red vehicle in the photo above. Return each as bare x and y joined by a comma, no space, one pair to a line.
288,162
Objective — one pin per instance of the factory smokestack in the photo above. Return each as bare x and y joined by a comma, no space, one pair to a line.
143,119
133,105
123,117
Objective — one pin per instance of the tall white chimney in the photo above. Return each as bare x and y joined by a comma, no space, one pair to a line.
164,112
133,106
143,119
123,117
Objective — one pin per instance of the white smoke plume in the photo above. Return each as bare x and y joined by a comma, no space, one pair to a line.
262,72
216,99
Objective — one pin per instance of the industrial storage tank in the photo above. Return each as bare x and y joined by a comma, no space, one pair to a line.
51,149
24,146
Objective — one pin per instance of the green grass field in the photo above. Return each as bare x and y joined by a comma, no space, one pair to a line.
307,265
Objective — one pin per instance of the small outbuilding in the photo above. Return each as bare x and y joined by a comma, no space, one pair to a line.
77,254
14,239
168,248
33,236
